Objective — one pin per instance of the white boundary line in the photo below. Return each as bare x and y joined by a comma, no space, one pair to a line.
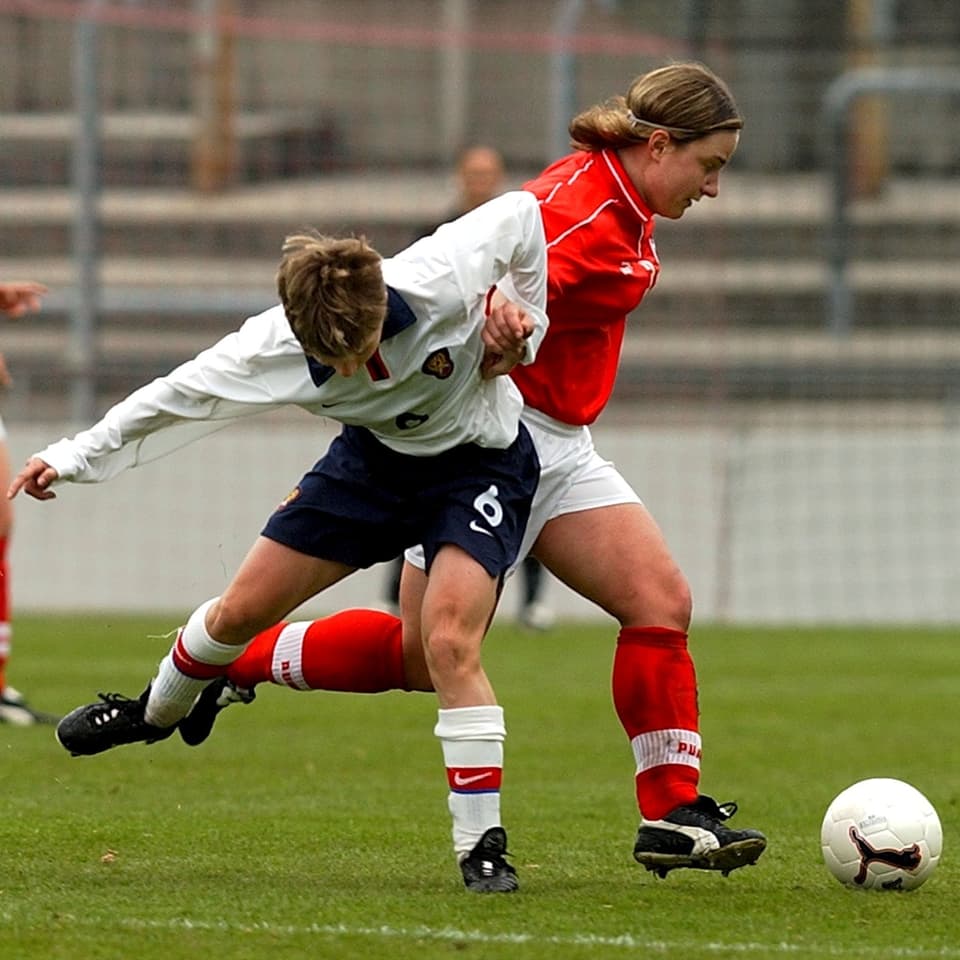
627,941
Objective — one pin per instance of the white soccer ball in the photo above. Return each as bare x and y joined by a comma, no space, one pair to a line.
881,834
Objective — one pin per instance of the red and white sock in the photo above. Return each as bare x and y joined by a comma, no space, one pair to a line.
655,696
472,741
193,661
354,651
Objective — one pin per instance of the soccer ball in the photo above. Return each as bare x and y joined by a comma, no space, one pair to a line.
881,834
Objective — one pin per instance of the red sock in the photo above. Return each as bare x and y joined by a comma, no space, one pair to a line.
655,696
354,651
4,613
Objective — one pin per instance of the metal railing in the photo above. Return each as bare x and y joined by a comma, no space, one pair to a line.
837,101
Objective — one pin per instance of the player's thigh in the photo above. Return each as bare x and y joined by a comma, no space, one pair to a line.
272,581
617,557
458,603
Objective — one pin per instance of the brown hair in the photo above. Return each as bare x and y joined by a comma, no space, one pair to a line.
688,100
332,291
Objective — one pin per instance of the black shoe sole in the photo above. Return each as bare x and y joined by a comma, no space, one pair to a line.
507,884
732,856
71,750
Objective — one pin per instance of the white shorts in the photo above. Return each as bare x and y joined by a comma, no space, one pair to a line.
573,477
3,430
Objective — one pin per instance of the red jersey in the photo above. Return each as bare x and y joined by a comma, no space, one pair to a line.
601,261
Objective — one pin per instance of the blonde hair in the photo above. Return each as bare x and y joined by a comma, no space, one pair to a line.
332,291
688,100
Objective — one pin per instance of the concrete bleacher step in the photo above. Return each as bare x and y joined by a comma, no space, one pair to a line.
198,236
772,218
699,365
751,293
180,269
152,148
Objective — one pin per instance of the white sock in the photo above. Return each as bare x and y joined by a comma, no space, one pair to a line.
472,742
186,670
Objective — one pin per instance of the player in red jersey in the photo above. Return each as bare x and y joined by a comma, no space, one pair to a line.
17,297
653,152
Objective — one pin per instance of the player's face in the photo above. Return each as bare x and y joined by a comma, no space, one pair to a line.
683,173
349,363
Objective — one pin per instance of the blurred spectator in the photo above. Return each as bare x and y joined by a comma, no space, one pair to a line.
16,299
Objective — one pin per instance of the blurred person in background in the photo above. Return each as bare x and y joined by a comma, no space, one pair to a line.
480,176
652,152
16,299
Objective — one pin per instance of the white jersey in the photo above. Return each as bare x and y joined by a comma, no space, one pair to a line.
420,394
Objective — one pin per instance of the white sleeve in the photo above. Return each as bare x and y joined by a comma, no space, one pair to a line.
247,372
502,240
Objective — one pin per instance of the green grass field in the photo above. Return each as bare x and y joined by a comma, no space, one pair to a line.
315,825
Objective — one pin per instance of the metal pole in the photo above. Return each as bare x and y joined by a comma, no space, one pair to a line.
454,87
214,155
562,75
82,349
697,17
840,94
871,27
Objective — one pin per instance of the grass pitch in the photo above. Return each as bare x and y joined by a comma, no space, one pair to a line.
315,825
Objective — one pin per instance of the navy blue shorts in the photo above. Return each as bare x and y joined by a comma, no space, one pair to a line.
364,503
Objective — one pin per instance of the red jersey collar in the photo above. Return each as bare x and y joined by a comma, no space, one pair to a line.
625,184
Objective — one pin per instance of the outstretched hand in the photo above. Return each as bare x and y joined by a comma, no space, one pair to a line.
34,479
20,296
505,332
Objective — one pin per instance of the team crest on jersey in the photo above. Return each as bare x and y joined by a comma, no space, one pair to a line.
438,364
289,498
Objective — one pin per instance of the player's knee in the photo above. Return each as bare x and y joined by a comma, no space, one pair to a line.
664,600
452,653
679,602
231,620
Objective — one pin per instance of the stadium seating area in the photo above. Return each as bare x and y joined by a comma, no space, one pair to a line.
739,313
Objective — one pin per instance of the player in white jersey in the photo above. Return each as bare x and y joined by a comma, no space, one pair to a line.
432,451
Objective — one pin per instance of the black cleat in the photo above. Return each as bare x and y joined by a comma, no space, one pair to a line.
15,710
113,721
694,836
195,727
484,868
